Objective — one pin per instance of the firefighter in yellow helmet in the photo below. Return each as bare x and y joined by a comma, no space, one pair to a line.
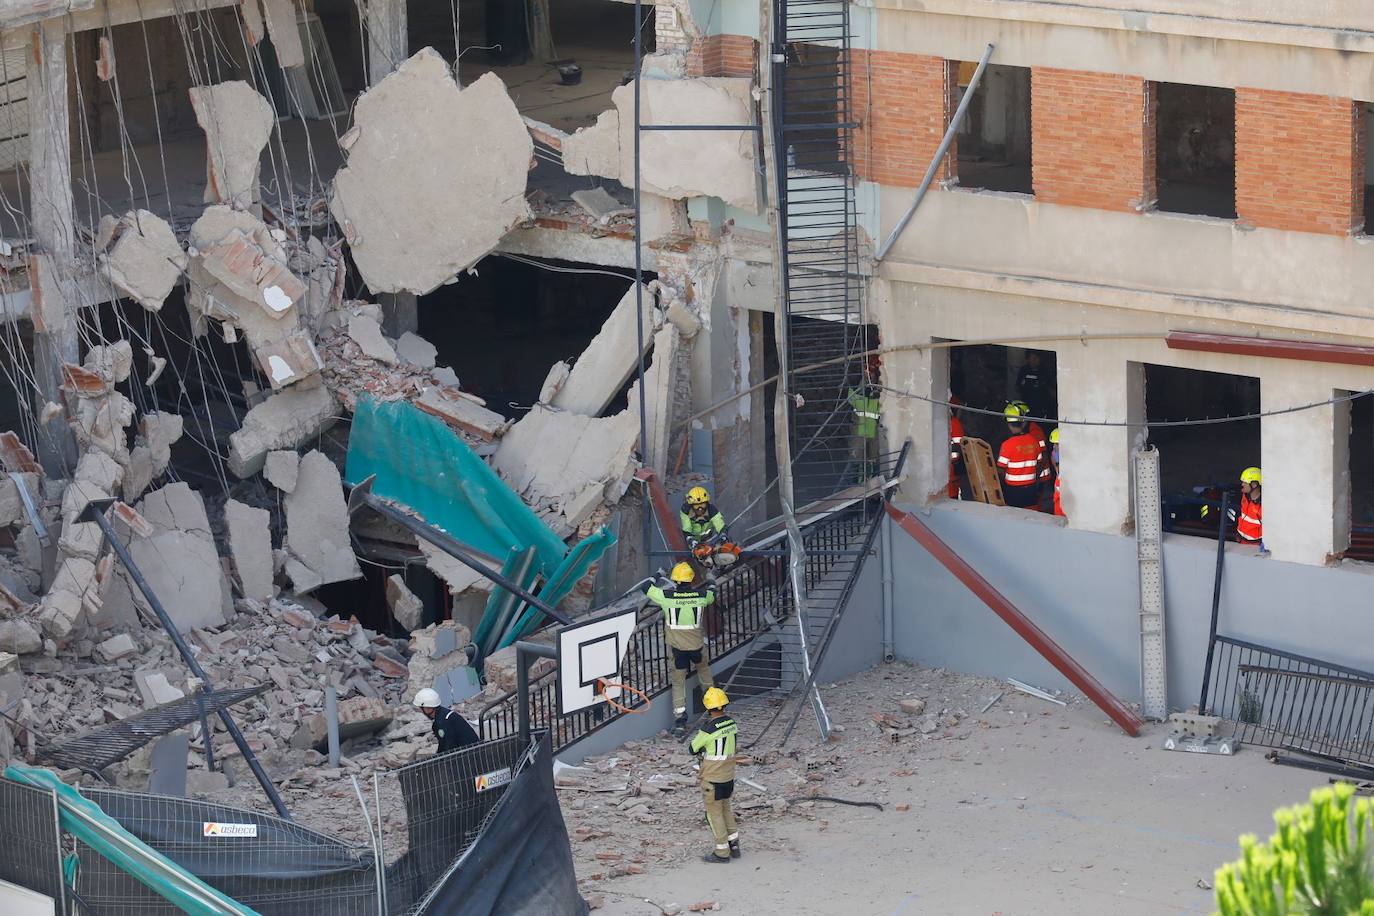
699,517
684,603
715,743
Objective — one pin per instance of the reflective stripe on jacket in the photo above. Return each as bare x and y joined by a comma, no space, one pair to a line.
1058,506
1250,521
865,414
683,607
956,434
715,742
1019,460
712,523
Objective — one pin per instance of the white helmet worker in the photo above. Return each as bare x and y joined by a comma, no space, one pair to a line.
426,698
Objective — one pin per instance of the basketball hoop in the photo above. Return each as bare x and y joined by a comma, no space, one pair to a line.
602,686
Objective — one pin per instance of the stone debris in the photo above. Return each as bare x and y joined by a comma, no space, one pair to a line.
465,187
317,539
402,602
463,412
284,420
367,334
286,37
607,363
416,351
281,469
143,258
357,716
250,543
237,122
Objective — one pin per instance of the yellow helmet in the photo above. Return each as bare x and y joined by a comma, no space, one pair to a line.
683,572
1013,413
1054,436
1021,406
715,698
1250,475
697,496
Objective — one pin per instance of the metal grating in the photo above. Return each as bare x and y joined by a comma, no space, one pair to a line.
107,744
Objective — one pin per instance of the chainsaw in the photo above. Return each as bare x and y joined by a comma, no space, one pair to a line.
716,551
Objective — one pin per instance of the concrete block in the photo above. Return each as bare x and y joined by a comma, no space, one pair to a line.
99,470
589,451
609,360
59,614
358,716
20,637
281,468
367,334
462,413
408,609
145,262
317,522
284,420
117,647
250,542
155,689
558,375
465,156
416,351
9,663
237,122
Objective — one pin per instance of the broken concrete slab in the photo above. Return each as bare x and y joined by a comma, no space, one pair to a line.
286,36
237,122
145,260
59,614
117,647
465,155
176,507
408,609
254,272
658,404
358,716
281,469
250,543
461,412
155,689
600,205
589,451
367,334
284,420
291,360
99,470
607,363
554,381
595,150
317,522
415,350
81,539
20,637
184,572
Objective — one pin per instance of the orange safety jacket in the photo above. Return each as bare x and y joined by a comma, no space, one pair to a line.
1019,460
956,432
1250,522
1035,430
1058,506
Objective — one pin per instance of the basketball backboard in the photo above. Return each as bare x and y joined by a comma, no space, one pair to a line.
589,651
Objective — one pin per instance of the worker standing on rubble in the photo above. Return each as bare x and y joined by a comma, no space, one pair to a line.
1058,475
684,603
451,729
1250,520
1019,461
715,743
863,441
699,517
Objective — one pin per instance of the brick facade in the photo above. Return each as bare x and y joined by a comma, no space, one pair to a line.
903,103
1093,139
722,55
1299,161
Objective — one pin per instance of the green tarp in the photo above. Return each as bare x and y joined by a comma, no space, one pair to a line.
425,466
84,819
561,582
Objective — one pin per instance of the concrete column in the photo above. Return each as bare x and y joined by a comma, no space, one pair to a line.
1298,460
925,373
1097,383
388,45
51,215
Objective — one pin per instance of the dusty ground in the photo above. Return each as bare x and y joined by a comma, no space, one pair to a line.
1027,808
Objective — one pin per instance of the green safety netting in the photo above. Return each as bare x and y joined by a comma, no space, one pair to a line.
84,819
561,582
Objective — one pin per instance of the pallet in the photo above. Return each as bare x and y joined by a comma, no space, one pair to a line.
982,471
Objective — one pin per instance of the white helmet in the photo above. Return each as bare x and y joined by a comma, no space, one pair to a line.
426,698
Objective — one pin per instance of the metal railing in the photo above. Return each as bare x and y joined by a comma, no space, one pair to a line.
1293,703
30,841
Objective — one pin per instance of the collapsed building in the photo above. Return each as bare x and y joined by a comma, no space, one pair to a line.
258,253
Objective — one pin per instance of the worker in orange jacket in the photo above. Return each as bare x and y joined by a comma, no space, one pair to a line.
1019,462
1250,519
1038,431
956,445
1058,474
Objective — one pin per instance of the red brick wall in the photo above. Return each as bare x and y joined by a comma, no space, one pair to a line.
1092,139
1299,161
722,55
902,103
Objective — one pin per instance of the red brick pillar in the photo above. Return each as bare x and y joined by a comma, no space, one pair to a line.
1299,161
1093,139
902,103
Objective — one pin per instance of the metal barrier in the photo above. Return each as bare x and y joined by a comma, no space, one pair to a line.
30,841
1293,703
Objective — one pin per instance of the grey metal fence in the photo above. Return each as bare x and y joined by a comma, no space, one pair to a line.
30,840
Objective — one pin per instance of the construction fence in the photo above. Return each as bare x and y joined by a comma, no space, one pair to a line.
423,820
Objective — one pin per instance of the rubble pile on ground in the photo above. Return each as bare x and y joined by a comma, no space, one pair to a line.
640,808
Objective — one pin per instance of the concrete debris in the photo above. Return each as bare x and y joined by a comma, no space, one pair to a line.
607,363
105,60
317,523
462,412
145,260
98,469
367,334
687,321
658,393
15,456
284,420
117,647
251,271
500,666
600,204
286,36
155,689
51,296
435,651
155,366
132,522
674,163
250,544
464,187
20,637
554,455
237,122
357,716
554,381
281,469
290,360
253,26
415,350
404,605
112,362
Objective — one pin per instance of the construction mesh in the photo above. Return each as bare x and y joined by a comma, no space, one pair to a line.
30,842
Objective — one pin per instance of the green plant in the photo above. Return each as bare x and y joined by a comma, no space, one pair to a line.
1317,864
1250,707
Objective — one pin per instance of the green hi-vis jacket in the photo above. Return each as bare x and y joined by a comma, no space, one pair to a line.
713,523
865,414
716,745
683,607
